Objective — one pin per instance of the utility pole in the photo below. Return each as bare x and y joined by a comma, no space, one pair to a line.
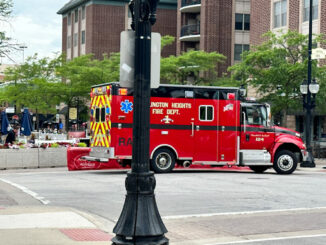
140,222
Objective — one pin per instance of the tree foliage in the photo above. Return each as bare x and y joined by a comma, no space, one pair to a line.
33,84
6,44
192,64
276,68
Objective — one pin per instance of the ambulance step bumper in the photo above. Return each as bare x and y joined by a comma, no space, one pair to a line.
95,159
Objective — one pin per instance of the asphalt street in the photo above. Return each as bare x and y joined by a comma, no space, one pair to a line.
209,199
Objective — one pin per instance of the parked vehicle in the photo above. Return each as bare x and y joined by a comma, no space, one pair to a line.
193,125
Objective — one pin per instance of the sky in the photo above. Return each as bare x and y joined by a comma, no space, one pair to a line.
36,25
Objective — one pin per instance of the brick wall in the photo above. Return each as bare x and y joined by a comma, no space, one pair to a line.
323,20
260,20
294,14
104,25
216,29
166,25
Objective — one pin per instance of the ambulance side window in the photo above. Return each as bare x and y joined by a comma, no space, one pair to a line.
206,113
103,114
97,115
256,115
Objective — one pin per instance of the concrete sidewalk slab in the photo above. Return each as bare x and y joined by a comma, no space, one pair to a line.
45,225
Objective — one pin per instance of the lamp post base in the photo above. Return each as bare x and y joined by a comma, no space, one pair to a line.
140,222
308,162
160,240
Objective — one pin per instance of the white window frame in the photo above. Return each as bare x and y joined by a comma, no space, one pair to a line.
68,42
283,5
242,49
75,42
243,21
83,12
315,12
205,120
83,37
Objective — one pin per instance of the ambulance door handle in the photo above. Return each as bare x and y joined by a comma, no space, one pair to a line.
192,128
197,128
247,137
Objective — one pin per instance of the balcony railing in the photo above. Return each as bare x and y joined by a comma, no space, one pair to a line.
190,30
185,3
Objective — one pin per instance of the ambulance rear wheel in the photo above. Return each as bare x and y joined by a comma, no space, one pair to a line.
163,161
285,162
259,169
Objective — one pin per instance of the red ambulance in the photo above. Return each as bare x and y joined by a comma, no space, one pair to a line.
213,126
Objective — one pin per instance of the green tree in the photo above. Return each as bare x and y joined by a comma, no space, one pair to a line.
198,65
6,44
276,68
81,73
33,84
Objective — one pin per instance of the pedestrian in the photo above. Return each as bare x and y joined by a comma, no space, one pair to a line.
11,137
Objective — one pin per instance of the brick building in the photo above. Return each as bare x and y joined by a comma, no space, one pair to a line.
212,25
284,15
94,26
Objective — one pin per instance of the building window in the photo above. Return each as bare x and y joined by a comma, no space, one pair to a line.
69,19
75,39
306,9
242,22
83,12
76,15
239,49
69,42
83,37
206,113
280,13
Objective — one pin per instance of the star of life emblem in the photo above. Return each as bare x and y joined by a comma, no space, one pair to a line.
167,120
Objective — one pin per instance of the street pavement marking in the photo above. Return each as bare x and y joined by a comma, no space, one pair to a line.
44,220
269,239
243,213
27,191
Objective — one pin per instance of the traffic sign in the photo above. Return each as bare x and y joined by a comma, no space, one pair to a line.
127,59
318,53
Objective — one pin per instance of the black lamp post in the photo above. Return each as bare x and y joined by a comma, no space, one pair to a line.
140,222
309,95
307,89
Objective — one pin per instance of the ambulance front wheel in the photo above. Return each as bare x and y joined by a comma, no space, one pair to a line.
285,162
163,161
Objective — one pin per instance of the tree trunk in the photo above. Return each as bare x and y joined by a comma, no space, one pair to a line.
284,118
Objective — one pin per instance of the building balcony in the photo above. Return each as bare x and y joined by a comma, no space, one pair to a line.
190,6
190,33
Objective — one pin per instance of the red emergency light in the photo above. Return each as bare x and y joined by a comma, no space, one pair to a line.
231,96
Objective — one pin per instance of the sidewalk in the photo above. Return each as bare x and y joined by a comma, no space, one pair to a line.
45,225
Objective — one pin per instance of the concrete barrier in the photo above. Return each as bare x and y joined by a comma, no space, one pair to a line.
33,158
52,157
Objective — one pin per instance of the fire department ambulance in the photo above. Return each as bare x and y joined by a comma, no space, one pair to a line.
192,125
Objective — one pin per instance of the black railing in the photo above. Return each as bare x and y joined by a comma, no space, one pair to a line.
185,3
189,30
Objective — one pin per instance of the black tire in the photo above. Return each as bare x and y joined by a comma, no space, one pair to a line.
163,161
285,162
259,169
